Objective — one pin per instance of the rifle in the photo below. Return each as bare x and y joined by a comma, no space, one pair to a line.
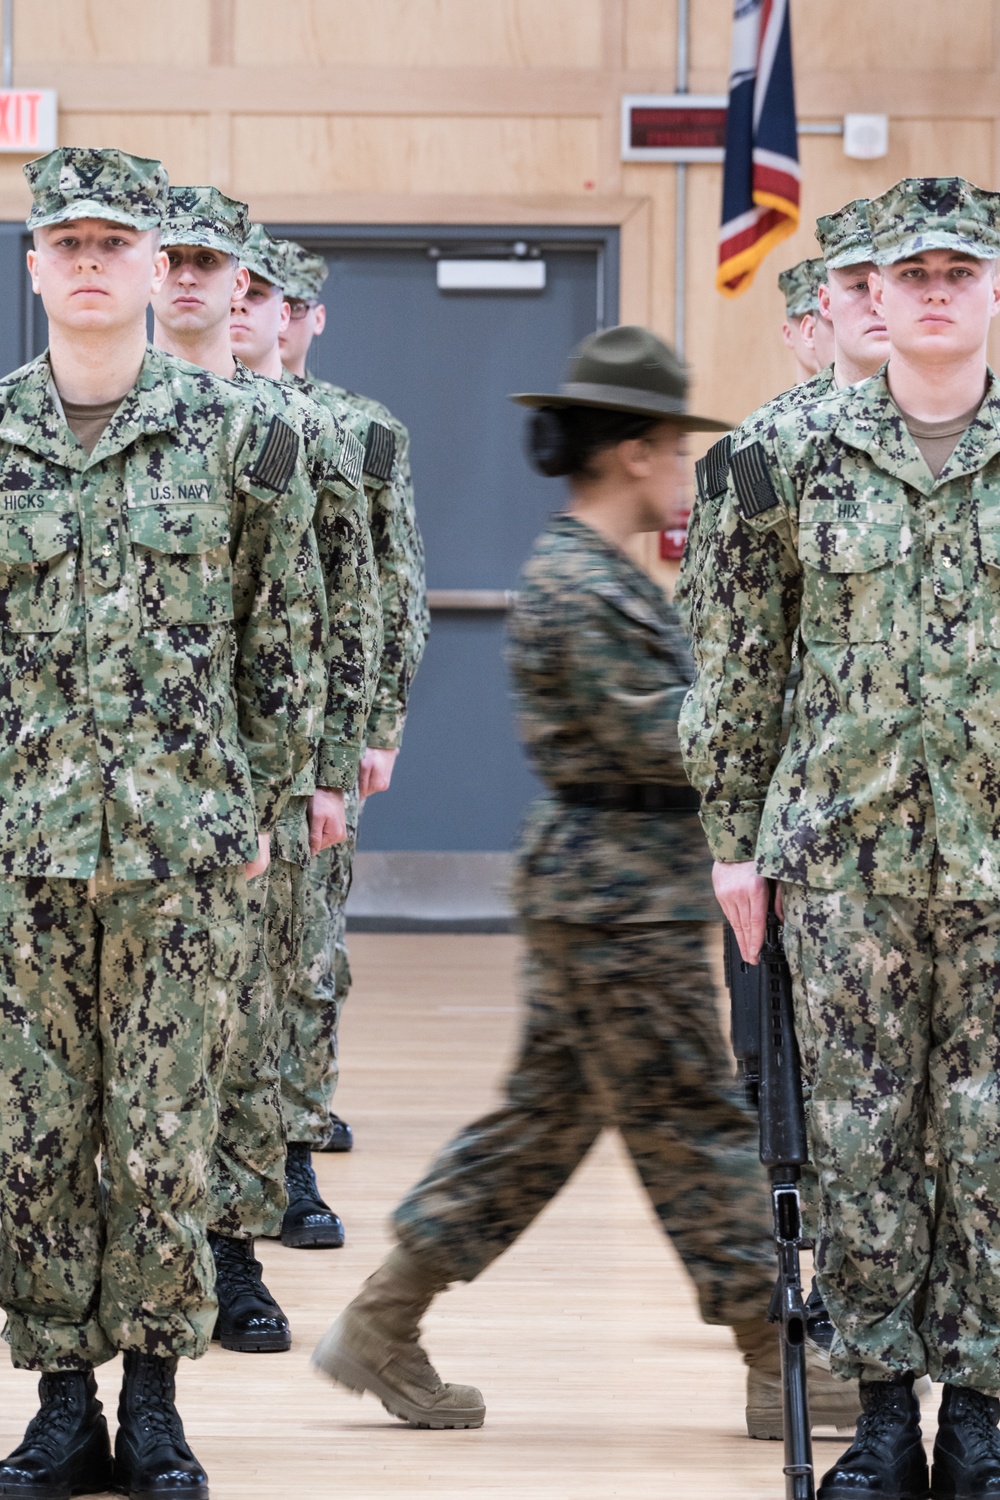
767,1057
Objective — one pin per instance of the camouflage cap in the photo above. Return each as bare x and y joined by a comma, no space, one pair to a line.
81,182
800,284
204,216
934,213
265,256
305,272
845,237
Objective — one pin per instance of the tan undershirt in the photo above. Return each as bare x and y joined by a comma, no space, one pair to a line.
937,441
86,423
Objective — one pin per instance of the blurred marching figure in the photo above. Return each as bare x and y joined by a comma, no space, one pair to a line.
613,889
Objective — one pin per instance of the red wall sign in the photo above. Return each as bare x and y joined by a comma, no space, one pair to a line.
673,127
27,120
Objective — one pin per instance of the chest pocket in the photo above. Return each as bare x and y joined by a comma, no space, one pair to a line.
849,575
39,557
182,564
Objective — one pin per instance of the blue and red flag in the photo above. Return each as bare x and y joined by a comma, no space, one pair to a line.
760,187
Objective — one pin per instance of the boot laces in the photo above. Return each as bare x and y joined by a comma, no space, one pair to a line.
243,1273
980,1424
154,1403
874,1427
58,1413
300,1176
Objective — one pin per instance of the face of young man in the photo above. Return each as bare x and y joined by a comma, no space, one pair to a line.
797,334
306,322
257,320
198,290
95,276
846,302
937,306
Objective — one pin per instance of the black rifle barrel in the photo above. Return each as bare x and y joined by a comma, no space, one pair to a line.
767,1055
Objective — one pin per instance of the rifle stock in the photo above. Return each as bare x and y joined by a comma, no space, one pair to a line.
767,1056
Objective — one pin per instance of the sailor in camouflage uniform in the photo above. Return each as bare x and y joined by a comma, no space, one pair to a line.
800,330
255,327
150,650
613,888
860,346
205,235
867,526
309,1066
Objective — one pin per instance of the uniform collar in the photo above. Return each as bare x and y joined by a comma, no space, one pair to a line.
623,568
871,422
33,418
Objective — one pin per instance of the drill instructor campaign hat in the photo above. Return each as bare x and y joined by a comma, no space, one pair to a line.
81,182
626,369
799,286
934,213
204,216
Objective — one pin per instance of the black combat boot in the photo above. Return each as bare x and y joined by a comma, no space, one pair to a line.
886,1461
309,1223
819,1328
341,1137
66,1449
152,1458
249,1320
967,1448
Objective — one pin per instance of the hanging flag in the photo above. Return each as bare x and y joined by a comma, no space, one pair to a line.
760,186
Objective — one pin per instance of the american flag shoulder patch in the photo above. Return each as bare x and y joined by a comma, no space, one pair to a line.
712,471
380,451
350,463
274,467
753,484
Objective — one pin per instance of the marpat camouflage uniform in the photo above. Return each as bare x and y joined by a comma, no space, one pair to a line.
621,1027
150,661
880,815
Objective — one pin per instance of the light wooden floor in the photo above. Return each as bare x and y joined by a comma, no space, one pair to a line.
599,1378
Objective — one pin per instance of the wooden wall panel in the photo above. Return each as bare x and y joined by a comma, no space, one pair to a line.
415,33
371,154
181,142
657,185
106,32
926,35
651,35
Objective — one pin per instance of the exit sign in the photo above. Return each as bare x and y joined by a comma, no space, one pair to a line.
673,127
27,120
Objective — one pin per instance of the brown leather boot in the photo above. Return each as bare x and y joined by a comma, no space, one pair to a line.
832,1402
375,1346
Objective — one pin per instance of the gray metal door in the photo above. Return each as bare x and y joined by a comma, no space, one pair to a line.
445,363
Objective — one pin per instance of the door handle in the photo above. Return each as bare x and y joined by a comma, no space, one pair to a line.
472,601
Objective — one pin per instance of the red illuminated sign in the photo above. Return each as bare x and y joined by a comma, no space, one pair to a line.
673,127
27,120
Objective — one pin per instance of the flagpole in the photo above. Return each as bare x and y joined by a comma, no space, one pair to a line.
680,231
8,43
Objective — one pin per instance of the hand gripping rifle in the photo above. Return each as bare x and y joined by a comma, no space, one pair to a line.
767,1056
